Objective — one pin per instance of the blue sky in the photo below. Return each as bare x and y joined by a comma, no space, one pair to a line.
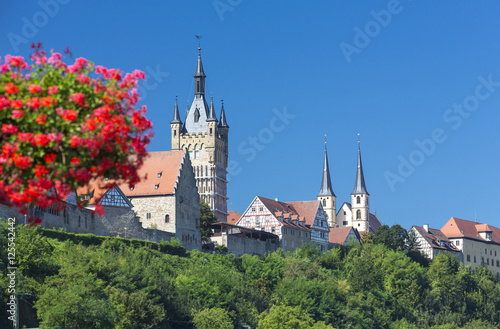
416,79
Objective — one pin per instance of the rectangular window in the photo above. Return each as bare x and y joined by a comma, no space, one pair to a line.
190,154
487,261
486,251
261,208
267,218
273,230
457,242
253,208
196,154
257,219
474,259
498,263
248,219
468,258
344,223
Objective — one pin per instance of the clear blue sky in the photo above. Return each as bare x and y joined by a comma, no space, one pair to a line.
419,72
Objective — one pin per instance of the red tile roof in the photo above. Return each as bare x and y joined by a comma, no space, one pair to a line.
96,189
158,174
306,209
457,227
233,217
338,235
279,209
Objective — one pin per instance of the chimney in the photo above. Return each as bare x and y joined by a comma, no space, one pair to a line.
426,227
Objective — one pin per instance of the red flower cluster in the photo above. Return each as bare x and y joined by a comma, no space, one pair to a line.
56,139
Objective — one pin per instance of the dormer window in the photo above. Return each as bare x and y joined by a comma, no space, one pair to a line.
157,186
488,235
132,188
159,175
196,115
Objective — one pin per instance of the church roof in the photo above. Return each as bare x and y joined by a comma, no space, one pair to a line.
326,184
359,186
159,174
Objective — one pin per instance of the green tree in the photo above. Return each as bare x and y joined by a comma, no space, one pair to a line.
207,218
286,317
393,237
212,318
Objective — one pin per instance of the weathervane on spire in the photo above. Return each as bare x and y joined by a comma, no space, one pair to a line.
199,40
325,139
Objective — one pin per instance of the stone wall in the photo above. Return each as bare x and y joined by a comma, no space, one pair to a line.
116,221
239,245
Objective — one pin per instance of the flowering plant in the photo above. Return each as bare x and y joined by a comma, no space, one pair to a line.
64,125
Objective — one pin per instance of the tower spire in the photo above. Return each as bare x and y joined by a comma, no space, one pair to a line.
211,112
199,75
177,117
326,184
223,121
359,187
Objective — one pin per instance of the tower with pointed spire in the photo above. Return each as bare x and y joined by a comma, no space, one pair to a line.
326,196
360,198
206,140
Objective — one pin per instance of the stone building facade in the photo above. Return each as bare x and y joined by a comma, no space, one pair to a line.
479,243
166,198
205,138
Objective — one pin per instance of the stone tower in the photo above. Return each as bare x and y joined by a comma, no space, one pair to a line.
326,195
206,140
360,199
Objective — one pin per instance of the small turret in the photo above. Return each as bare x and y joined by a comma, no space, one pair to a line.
175,127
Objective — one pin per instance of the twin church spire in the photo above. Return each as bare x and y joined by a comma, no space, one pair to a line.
359,198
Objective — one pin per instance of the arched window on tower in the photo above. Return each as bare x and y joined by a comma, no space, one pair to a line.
197,86
358,213
324,203
358,199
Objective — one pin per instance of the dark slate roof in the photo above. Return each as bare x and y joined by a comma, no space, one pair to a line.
326,184
199,66
211,112
177,117
436,239
223,121
359,187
